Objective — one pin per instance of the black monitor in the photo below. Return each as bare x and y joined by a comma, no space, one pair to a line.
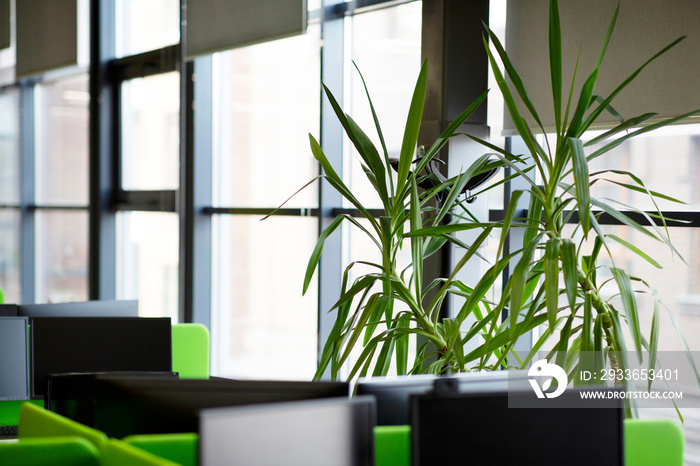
14,359
394,394
8,310
98,344
73,395
126,406
129,308
312,433
481,429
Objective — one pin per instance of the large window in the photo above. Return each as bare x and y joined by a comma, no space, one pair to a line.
266,102
59,227
9,195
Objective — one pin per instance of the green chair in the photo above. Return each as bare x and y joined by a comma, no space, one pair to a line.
180,448
653,442
392,445
191,351
36,422
50,451
119,453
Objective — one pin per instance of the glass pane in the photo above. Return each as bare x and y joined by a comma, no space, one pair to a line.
147,262
61,256
677,283
386,45
666,160
266,102
143,26
151,132
62,138
9,255
9,147
262,325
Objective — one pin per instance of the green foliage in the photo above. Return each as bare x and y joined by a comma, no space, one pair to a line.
588,321
378,311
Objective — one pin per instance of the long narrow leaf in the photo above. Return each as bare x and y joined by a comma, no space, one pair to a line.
337,182
596,113
518,121
570,268
635,250
555,60
520,275
575,127
551,279
410,135
583,197
404,321
513,75
318,249
377,126
629,303
624,126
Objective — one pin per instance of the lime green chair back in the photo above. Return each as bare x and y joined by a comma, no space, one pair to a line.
66,451
119,453
392,446
191,351
180,448
35,421
651,442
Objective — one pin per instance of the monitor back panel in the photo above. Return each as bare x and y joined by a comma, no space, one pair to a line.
8,310
128,406
14,359
480,429
312,433
394,394
98,344
127,308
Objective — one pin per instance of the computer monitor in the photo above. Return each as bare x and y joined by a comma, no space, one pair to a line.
127,406
8,310
481,429
394,394
73,395
98,344
128,308
14,359
312,433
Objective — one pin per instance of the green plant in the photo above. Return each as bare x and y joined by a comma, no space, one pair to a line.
383,307
380,309
557,174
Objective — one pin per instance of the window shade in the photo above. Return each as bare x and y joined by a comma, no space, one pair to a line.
669,86
5,24
47,35
216,25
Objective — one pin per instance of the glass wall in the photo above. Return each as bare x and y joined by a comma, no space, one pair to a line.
266,103
9,195
61,189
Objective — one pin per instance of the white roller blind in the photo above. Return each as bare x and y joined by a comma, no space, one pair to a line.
216,25
47,35
669,86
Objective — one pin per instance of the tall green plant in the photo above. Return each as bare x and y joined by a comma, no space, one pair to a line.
559,192
378,311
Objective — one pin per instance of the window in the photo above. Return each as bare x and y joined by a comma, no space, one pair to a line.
266,102
61,189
